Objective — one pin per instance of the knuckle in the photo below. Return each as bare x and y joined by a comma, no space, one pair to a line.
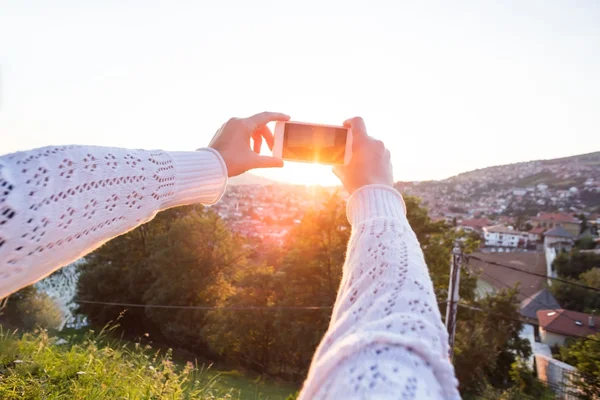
233,121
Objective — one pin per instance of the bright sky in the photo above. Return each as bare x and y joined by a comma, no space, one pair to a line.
448,86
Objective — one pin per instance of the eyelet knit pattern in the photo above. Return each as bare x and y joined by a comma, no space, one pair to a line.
385,339
59,203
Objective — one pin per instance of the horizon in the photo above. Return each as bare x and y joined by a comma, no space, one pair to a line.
253,173
449,88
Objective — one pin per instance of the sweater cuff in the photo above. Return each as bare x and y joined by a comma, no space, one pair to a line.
200,177
375,201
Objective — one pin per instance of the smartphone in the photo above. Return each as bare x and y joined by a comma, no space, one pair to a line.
313,143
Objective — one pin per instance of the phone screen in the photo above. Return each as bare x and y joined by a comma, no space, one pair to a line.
314,143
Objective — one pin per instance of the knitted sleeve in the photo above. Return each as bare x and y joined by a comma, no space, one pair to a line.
59,203
385,339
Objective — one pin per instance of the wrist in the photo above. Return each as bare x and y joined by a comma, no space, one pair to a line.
200,177
375,201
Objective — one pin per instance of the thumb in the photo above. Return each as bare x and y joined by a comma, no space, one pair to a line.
267,162
338,170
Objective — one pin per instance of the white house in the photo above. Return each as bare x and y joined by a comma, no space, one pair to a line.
556,240
502,236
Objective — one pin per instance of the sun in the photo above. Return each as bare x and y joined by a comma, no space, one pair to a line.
301,174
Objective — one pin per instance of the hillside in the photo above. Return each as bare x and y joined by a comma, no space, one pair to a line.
570,184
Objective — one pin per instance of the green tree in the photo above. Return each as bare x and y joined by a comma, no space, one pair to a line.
191,264
28,308
584,354
249,337
488,342
573,264
184,256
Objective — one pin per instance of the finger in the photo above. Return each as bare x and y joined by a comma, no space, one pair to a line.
266,133
359,130
263,118
267,162
257,143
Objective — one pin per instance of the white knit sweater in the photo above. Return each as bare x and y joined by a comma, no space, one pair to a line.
385,339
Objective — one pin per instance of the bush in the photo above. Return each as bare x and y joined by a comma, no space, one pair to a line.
28,309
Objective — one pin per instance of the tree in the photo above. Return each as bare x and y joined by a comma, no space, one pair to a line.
249,337
573,264
28,308
583,224
586,242
488,342
191,264
184,256
576,298
584,354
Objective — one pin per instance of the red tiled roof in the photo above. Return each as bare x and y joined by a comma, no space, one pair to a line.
476,223
565,322
556,217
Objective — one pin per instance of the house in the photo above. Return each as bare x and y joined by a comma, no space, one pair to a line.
558,325
536,234
559,238
474,225
556,240
551,220
502,236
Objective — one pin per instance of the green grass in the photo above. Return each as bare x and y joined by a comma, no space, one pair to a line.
94,366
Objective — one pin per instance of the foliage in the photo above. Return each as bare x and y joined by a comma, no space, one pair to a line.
187,256
281,341
37,366
576,298
586,242
28,308
488,343
573,264
584,354
184,257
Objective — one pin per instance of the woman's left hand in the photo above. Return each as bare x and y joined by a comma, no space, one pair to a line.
232,142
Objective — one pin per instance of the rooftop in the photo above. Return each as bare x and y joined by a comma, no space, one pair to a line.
502,229
542,300
568,323
556,217
558,231
502,278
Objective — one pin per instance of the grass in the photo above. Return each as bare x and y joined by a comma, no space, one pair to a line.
94,366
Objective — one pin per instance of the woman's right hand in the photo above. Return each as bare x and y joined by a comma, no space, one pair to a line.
232,142
370,163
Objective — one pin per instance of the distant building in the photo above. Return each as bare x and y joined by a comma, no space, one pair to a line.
536,234
551,220
502,236
474,225
559,238
556,326
556,240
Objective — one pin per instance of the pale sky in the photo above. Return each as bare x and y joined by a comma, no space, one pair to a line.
449,86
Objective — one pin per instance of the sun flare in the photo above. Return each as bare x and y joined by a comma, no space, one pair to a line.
302,174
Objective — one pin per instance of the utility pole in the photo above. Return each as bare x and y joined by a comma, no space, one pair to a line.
452,305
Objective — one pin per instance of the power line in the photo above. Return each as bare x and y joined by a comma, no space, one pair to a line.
532,273
134,305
